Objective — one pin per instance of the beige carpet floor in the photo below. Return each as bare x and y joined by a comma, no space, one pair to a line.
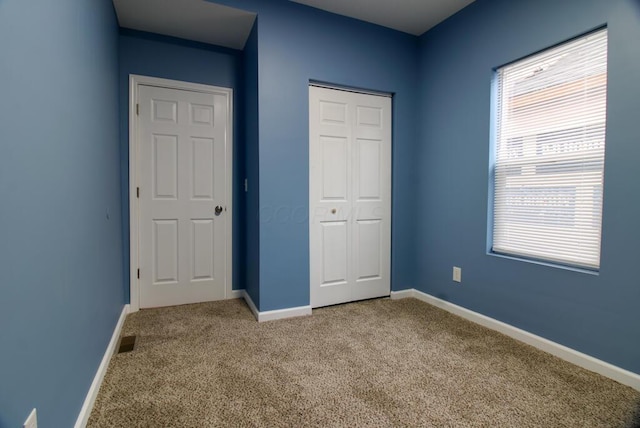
377,363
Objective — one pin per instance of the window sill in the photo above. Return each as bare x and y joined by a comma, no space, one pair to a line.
548,264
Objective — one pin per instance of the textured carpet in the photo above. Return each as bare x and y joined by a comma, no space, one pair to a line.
376,363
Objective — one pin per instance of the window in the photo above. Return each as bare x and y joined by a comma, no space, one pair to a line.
549,153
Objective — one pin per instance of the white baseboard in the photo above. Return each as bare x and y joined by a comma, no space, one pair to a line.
89,401
585,361
251,305
236,294
397,295
300,311
277,314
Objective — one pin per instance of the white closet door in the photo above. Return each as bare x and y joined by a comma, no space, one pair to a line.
183,138
349,196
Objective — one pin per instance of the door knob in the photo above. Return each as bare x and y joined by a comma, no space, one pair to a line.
333,211
218,210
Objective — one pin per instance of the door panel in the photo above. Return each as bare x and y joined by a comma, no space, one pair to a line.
202,166
201,115
182,176
369,116
334,168
334,252
369,249
333,112
368,180
334,276
164,111
349,196
165,251
203,244
165,166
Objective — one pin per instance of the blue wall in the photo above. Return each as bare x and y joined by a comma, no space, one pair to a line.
251,245
170,58
595,314
60,228
297,44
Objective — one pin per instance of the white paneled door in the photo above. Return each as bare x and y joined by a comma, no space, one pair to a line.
349,196
183,195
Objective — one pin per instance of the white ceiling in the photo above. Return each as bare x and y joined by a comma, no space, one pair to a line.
410,16
197,20
207,22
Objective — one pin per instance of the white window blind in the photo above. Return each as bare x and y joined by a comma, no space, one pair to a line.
549,154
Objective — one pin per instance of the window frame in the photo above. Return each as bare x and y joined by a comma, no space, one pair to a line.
495,123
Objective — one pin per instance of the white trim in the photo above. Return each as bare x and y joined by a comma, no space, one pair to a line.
403,294
134,82
585,361
90,399
318,84
278,314
237,294
134,293
252,306
300,311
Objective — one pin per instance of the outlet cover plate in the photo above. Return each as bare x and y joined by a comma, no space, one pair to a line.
457,274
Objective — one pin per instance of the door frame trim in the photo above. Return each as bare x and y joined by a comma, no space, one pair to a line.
320,84
134,82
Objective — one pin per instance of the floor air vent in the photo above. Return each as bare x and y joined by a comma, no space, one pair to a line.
126,344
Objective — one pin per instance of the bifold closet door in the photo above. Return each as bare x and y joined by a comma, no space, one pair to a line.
349,196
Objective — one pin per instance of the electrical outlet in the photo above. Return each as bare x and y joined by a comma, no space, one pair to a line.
457,274
32,420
